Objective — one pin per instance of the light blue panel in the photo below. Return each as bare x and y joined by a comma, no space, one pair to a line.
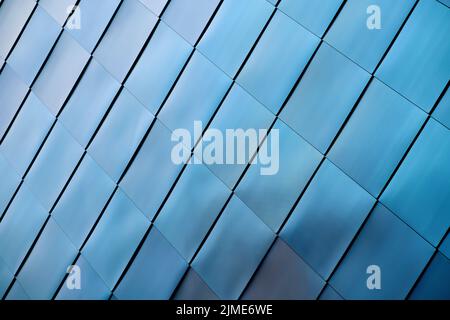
39,36
194,288
156,71
152,172
95,15
83,200
120,134
47,264
323,99
376,137
12,92
196,95
274,2
283,275
154,273
445,246
271,197
351,36
17,292
189,18
10,181
433,285
58,9
115,238
89,102
327,218
191,209
233,32
420,191
442,112
233,250
313,15
418,65
13,15
386,242
5,277
277,61
125,37
92,286
27,133
446,2
156,6
54,165
239,111
60,73
19,227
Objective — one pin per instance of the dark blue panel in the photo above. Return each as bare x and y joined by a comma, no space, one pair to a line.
194,288
233,250
327,218
434,284
422,184
385,242
191,209
445,246
154,273
284,275
330,294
